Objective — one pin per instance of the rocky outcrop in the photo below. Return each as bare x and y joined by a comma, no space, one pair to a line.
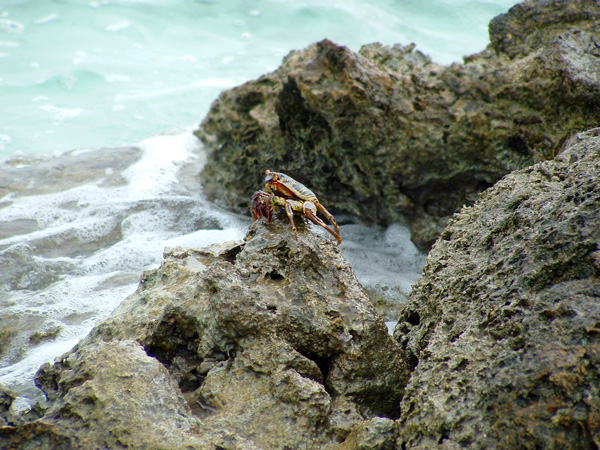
504,324
268,343
388,135
271,343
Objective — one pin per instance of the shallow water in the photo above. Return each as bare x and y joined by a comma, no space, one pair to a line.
77,229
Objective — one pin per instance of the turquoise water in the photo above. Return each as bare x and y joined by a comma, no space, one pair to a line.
87,74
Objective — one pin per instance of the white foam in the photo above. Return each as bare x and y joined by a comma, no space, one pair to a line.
118,26
49,212
46,19
5,139
155,172
62,114
19,376
83,296
86,214
9,44
11,26
391,325
385,259
21,405
130,253
114,78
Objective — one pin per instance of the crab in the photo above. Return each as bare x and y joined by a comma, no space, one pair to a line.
283,191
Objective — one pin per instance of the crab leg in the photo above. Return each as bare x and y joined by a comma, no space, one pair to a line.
331,219
290,213
261,206
316,219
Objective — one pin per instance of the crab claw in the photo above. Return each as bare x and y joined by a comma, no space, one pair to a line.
261,206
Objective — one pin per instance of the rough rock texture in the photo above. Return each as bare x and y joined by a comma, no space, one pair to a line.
387,134
269,343
504,324
6,399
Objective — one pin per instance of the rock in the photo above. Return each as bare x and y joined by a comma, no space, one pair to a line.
528,25
112,394
376,434
36,435
503,327
7,398
265,343
388,135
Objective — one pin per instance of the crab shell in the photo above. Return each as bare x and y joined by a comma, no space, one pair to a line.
284,186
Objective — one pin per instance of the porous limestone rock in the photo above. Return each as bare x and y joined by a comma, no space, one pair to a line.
388,135
266,343
503,327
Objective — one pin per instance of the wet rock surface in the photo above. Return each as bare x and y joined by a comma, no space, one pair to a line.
503,325
389,135
264,343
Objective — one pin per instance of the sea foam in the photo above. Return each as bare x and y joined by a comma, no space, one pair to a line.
86,245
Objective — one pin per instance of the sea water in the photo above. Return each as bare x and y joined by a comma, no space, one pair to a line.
99,165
